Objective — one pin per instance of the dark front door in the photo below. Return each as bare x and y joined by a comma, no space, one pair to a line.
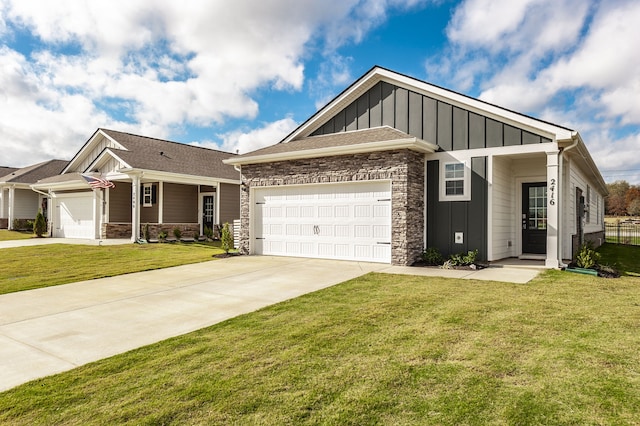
208,212
534,217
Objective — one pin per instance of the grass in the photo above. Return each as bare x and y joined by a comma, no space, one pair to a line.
624,258
380,349
6,235
25,268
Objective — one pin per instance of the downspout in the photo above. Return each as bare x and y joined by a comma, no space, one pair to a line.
576,141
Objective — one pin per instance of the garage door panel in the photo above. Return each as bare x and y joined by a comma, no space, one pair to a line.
74,217
337,221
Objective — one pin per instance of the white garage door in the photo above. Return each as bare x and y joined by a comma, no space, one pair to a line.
350,221
74,217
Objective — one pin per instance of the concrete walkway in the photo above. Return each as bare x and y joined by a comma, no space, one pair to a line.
29,242
54,329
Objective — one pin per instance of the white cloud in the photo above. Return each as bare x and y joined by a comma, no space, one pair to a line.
161,64
243,142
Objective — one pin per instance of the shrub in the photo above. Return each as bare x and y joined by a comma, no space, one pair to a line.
177,233
226,239
39,225
462,259
162,235
432,256
147,235
208,232
587,257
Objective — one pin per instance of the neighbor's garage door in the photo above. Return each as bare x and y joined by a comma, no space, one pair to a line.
74,216
350,221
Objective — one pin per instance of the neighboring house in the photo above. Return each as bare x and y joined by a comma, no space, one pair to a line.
394,165
163,184
18,203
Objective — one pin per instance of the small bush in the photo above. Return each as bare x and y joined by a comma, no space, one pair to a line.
162,235
587,257
208,232
431,256
39,225
147,235
462,259
177,233
226,239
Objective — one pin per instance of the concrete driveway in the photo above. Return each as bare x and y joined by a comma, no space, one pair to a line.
54,329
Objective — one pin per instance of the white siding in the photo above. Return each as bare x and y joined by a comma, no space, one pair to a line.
90,156
503,209
577,179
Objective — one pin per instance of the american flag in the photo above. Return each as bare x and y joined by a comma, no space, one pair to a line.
98,182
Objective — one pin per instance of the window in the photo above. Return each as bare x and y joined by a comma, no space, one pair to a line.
147,195
454,179
587,213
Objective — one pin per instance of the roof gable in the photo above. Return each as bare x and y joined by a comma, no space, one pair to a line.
126,151
384,97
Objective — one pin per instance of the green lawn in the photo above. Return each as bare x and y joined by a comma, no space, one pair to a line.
25,268
626,259
381,349
6,235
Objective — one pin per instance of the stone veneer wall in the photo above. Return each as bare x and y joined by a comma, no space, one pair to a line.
405,169
123,230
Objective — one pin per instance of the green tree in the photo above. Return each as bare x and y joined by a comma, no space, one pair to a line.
40,225
616,202
226,238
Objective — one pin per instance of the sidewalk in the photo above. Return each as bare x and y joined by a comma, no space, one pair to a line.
43,241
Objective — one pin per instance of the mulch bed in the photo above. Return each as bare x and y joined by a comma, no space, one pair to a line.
226,255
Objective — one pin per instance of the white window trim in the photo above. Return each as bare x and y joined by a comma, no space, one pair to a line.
466,195
144,195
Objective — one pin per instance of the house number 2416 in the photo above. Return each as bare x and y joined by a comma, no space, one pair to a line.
552,192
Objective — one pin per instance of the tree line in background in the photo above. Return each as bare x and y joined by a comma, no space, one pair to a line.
623,199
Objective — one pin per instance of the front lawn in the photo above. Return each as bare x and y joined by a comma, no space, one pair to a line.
381,349
624,258
25,268
6,235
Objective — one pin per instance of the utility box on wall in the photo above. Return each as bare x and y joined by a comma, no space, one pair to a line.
459,238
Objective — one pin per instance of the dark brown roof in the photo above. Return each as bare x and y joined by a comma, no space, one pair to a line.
36,172
355,137
156,154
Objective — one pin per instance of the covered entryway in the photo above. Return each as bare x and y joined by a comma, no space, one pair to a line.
348,221
74,216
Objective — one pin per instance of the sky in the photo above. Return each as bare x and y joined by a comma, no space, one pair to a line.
241,75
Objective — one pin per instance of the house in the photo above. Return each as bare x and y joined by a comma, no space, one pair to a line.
394,165
18,203
120,183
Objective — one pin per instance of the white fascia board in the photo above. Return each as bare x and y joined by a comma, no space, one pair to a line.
588,165
156,176
414,144
377,74
101,157
513,150
87,148
60,186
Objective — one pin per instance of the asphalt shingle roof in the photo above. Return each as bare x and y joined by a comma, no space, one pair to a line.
156,154
32,174
376,134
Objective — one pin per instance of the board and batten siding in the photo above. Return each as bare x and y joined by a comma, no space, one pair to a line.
593,220
229,199
450,127
445,218
180,203
503,236
95,152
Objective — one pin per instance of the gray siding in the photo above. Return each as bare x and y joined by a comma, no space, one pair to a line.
149,214
180,203
120,203
444,219
438,122
229,199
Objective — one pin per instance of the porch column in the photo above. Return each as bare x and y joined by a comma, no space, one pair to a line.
2,203
553,218
135,208
160,202
11,207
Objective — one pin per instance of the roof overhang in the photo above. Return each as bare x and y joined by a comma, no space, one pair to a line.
413,144
377,74
97,136
580,154
157,176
